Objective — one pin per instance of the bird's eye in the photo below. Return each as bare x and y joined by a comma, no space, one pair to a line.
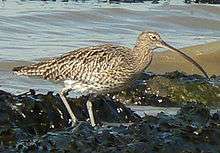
153,37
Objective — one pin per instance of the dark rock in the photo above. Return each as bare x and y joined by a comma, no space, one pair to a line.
203,1
33,122
28,115
155,2
172,89
38,112
153,134
216,116
111,1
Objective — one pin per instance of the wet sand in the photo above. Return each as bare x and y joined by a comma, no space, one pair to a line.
208,55
8,65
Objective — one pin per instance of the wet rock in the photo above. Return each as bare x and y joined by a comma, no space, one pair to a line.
30,114
125,1
193,129
105,109
216,116
203,1
187,131
172,89
33,122
115,1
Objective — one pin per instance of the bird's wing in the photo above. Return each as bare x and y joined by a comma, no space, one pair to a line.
84,62
78,64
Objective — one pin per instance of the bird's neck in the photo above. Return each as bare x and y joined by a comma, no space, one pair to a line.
143,55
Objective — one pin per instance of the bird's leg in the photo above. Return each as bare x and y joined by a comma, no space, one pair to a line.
90,111
73,117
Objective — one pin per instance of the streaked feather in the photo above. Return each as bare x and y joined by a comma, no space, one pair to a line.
104,66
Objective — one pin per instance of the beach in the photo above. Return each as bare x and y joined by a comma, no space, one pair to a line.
171,107
207,55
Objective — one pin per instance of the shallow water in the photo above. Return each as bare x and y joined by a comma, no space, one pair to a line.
154,111
31,30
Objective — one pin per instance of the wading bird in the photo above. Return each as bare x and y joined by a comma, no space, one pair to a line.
100,69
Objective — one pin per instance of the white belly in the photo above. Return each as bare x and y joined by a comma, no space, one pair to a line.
81,88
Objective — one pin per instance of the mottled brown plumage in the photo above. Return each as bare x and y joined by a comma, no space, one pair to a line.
102,68
105,66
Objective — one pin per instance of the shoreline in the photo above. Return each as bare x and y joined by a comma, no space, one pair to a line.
207,55
40,123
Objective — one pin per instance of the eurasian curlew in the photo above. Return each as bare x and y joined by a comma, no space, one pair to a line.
100,69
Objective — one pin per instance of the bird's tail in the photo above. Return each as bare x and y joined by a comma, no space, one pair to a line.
32,70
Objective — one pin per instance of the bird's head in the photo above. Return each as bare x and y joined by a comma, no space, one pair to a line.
152,40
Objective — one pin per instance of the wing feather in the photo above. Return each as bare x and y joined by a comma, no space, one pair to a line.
78,64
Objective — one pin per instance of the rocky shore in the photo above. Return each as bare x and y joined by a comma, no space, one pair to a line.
34,122
203,1
153,1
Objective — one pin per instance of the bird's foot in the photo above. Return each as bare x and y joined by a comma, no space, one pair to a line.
76,126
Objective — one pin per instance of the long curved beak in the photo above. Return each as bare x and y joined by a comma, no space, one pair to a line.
165,45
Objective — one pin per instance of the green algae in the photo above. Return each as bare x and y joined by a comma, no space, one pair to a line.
172,89
185,91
